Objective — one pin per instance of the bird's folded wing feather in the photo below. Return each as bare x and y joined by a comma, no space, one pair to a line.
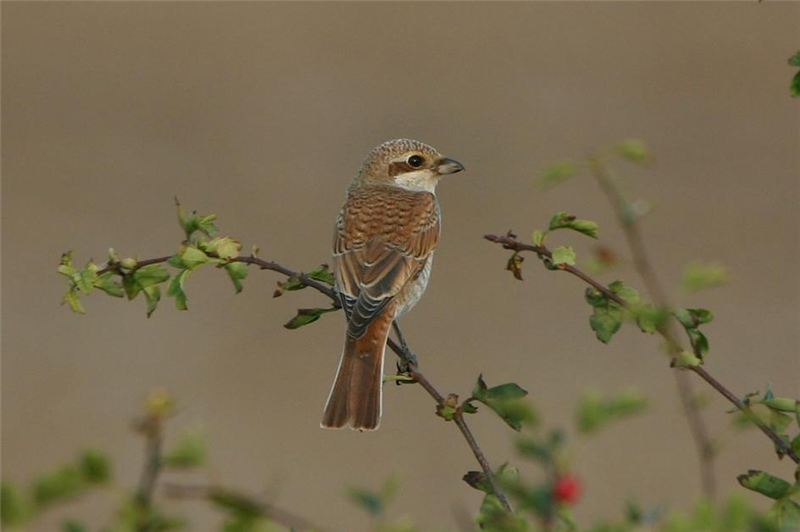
382,240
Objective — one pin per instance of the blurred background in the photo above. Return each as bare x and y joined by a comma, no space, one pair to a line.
262,113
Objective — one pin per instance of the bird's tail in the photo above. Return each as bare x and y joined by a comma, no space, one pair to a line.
356,396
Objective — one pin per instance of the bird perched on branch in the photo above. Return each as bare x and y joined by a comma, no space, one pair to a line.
383,246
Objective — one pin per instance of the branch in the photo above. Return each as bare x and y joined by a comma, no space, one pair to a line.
252,504
641,261
509,241
413,369
152,427
459,420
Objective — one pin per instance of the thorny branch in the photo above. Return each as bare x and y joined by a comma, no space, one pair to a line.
509,241
641,261
413,369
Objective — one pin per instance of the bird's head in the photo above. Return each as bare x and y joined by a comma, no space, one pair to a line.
408,164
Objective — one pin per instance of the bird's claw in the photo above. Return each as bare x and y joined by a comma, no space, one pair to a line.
407,362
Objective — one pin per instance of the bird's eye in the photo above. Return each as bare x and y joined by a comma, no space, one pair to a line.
415,161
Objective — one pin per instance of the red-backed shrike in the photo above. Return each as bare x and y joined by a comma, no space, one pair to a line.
383,247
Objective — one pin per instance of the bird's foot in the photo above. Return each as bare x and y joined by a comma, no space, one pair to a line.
408,360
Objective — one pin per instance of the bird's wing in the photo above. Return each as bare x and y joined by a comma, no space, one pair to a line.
383,238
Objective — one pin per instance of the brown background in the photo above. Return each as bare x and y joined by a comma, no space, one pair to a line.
262,112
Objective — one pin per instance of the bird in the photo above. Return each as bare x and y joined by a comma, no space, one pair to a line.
383,244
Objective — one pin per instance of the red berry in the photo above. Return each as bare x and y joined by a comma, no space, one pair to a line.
566,489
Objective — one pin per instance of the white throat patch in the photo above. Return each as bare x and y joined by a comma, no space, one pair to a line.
418,180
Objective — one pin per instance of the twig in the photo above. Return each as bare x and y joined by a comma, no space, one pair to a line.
280,516
152,427
459,420
641,261
509,241
413,369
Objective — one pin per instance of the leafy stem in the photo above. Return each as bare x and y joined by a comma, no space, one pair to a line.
509,241
296,280
641,261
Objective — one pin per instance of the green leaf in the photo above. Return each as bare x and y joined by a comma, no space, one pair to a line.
505,401
480,389
626,293
493,517
564,255
446,411
634,150
701,275
224,247
595,412
95,467
189,257
189,452
775,419
469,408
560,220
85,279
701,315
477,480
505,392
307,315
557,173
606,321
786,513
684,317
63,483
66,261
783,404
194,222
128,263
505,475
141,278
766,484
650,318
72,299
768,394
587,227
235,503
175,289
237,271
563,220
323,274
699,342
531,448
14,508
152,295
794,86
515,413
595,297
291,284
109,285
538,238
690,319
367,500
685,359
607,314
70,525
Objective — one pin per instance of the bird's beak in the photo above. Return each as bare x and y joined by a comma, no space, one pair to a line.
448,166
